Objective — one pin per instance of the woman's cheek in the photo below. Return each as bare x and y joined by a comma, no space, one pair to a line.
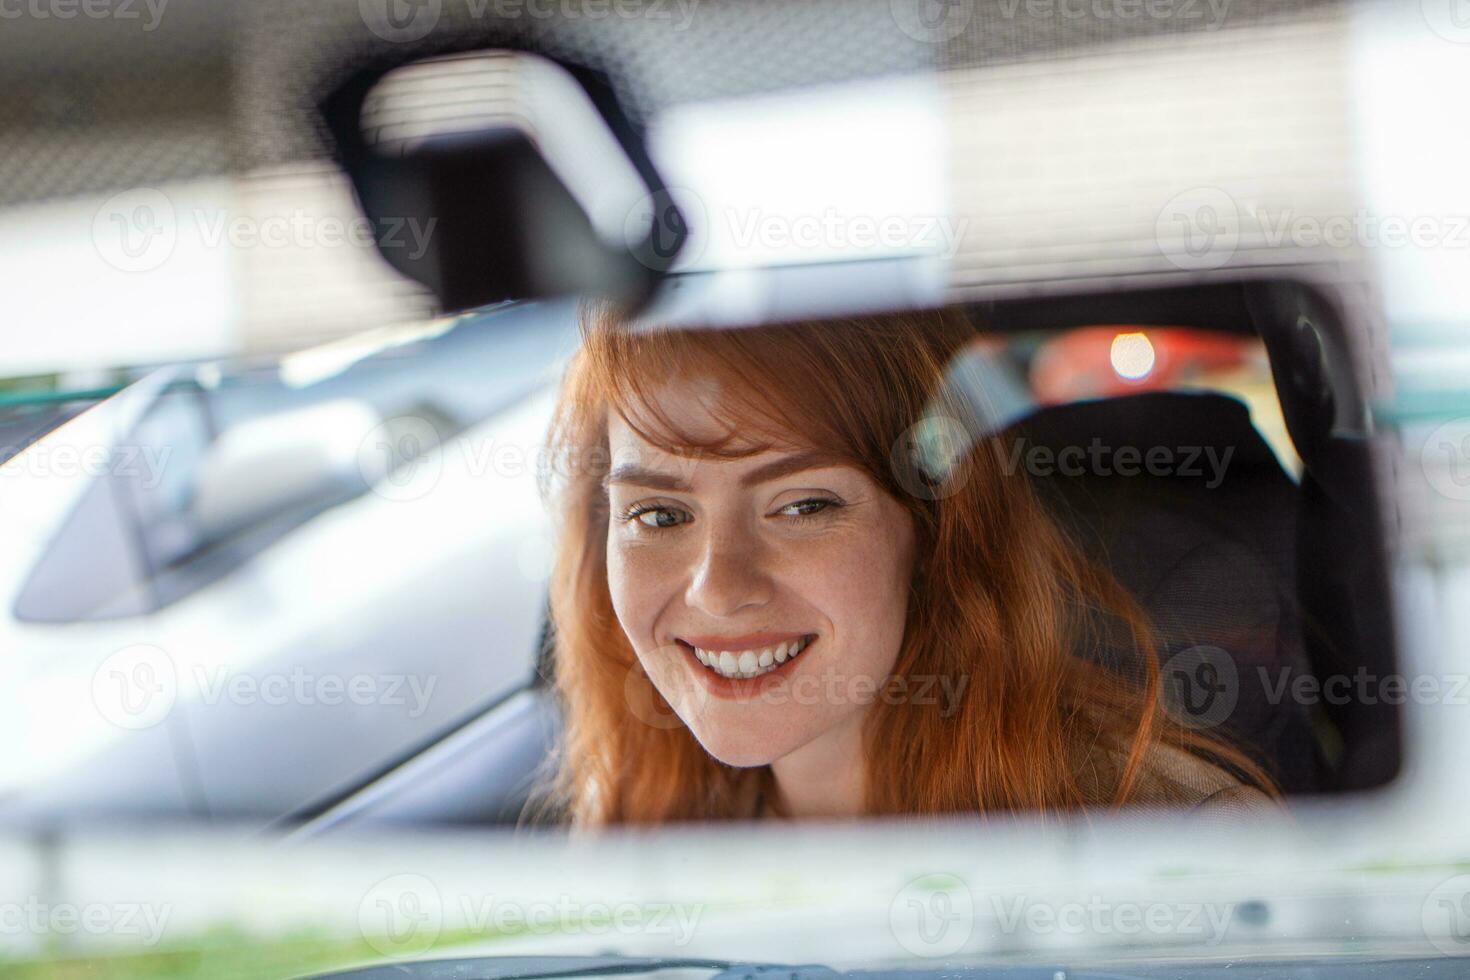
862,585
866,559
637,577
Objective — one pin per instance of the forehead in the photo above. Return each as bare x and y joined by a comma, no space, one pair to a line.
697,406
631,451
699,416
635,461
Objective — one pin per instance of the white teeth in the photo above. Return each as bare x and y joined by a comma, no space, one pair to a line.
749,663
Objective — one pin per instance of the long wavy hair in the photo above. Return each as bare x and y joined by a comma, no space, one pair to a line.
1001,602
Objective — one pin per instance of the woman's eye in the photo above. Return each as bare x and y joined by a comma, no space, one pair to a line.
806,508
658,517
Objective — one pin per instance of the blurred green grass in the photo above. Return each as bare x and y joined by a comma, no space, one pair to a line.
223,954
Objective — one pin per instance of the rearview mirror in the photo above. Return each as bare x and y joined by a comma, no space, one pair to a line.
525,180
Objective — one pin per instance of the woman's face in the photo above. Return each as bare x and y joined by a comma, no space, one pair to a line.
765,596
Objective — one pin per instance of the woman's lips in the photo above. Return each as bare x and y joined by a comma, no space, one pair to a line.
745,641
746,657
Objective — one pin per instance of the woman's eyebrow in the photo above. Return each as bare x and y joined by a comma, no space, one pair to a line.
795,463
639,476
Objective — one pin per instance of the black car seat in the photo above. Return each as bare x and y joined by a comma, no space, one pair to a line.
1205,542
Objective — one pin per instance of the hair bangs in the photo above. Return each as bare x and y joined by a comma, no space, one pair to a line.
752,398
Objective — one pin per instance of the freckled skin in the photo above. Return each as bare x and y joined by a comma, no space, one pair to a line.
735,559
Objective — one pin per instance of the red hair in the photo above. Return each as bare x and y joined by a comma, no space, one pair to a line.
1001,602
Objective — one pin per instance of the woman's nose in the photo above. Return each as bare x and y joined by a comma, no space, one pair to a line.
728,576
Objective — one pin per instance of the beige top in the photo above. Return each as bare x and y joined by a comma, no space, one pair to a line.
1175,782
1178,780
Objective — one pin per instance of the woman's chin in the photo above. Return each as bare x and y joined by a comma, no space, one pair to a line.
743,751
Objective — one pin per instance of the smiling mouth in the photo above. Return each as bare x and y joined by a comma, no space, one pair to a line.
753,662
